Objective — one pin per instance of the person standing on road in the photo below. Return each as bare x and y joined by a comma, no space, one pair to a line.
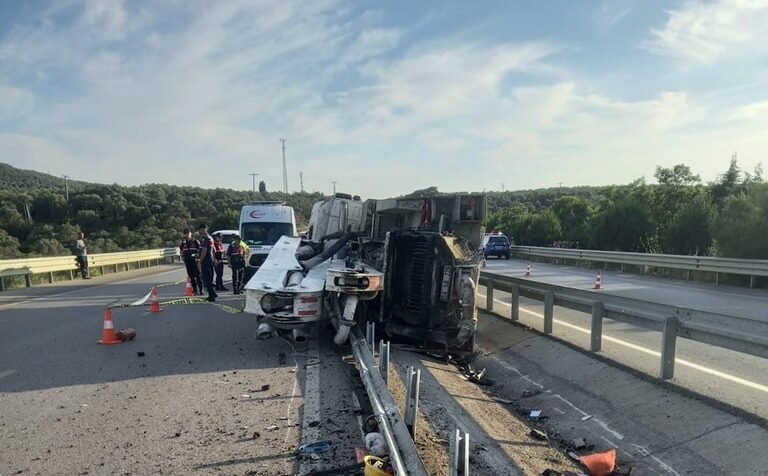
236,257
207,261
190,251
218,248
81,255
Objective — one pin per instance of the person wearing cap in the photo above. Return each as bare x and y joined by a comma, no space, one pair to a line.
190,251
207,261
236,257
218,248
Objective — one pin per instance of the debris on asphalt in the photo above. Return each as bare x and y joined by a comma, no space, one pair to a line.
600,464
376,444
264,331
126,334
530,393
314,448
256,434
272,428
140,354
338,470
586,417
281,358
503,400
578,443
538,435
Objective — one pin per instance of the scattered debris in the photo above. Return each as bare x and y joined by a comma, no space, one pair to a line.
245,395
281,358
313,424
538,435
140,354
600,464
264,331
315,448
586,417
530,393
338,470
551,472
376,444
578,443
272,428
265,387
256,434
126,334
503,400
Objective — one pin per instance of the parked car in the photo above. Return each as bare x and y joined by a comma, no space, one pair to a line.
497,245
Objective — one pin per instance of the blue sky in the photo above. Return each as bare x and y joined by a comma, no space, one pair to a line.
382,97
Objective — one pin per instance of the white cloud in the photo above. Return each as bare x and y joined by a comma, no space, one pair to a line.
704,32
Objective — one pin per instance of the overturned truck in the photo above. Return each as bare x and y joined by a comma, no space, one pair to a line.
409,264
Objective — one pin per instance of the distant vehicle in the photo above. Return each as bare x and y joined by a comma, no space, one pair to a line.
496,244
261,225
226,238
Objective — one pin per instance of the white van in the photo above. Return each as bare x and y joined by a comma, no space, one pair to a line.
261,225
226,239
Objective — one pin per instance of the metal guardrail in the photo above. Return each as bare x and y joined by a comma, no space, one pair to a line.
402,450
28,267
741,334
744,267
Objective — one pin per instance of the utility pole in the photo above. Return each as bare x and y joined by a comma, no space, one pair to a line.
66,186
285,169
253,176
502,186
334,187
301,181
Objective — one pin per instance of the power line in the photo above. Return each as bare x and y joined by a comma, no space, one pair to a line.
285,169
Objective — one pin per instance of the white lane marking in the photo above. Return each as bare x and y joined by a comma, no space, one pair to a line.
87,288
645,350
7,373
583,413
524,377
311,397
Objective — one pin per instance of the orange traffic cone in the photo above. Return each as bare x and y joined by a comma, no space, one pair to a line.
598,281
528,271
154,304
108,333
188,291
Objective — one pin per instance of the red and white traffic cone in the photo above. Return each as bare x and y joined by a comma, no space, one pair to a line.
108,330
528,271
599,281
188,291
154,303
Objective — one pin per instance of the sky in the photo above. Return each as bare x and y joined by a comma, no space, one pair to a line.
382,97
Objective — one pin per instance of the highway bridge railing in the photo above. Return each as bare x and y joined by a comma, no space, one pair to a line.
742,334
743,267
67,265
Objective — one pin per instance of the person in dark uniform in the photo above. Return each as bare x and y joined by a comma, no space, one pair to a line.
218,248
207,261
190,251
236,257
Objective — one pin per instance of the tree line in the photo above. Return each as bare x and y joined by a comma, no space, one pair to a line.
40,215
678,215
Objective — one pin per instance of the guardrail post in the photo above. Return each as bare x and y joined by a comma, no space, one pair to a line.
384,360
717,278
668,344
596,334
489,295
458,453
50,277
752,281
370,336
28,280
412,400
2,283
549,311
515,311
71,275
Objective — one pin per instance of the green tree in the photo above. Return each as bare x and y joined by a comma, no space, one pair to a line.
9,246
741,226
262,187
226,220
542,229
623,225
574,214
730,183
690,231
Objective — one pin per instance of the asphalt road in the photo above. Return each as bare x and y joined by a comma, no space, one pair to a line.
730,377
195,393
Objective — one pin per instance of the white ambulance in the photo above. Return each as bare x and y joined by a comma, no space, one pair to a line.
261,225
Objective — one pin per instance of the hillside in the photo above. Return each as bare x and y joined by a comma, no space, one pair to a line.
12,178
